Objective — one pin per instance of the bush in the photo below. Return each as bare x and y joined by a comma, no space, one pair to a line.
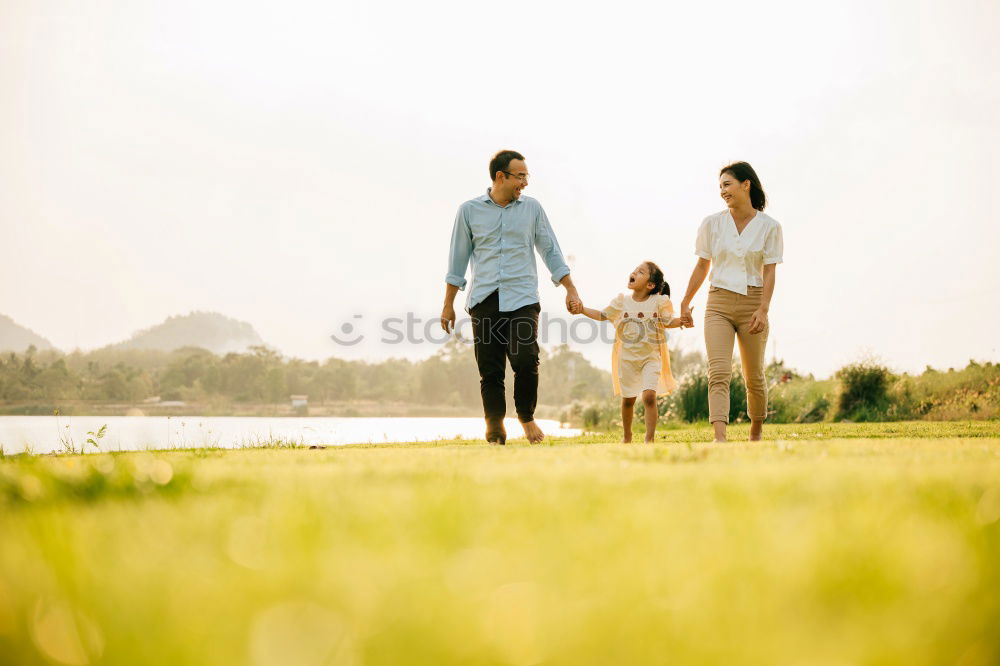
592,414
800,400
971,393
691,397
864,392
690,402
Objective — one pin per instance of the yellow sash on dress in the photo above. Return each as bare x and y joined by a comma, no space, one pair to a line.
666,385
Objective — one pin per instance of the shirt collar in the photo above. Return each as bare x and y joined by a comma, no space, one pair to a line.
487,199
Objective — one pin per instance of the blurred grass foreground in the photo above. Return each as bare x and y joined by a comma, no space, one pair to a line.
809,548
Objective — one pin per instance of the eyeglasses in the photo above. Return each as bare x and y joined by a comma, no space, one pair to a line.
523,177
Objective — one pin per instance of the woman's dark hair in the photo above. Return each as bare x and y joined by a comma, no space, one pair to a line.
742,171
656,278
501,161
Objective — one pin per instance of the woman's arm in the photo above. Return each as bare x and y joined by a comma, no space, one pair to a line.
698,276
758,320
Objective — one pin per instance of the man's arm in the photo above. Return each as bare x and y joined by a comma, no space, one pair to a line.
548,249
572,297
448,311
458,262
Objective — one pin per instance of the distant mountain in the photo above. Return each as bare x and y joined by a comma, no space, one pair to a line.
14,337
208,330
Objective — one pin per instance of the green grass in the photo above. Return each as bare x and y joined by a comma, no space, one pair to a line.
679,432
826,544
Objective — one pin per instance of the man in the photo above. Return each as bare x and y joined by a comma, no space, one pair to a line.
498,231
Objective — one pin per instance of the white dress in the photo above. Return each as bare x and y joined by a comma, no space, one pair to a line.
640,360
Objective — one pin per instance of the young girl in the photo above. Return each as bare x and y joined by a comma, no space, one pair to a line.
639,360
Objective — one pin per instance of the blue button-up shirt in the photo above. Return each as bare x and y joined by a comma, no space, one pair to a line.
499,240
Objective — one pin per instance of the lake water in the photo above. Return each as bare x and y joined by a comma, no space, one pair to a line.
45,434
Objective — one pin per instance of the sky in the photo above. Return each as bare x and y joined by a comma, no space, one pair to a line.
298,165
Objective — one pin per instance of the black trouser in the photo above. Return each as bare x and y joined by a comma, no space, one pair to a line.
501,336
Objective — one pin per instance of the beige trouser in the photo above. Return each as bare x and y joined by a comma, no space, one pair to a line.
728,314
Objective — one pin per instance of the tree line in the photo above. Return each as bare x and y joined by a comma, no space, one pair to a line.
262,375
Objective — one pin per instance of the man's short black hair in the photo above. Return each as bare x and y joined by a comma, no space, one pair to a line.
501,161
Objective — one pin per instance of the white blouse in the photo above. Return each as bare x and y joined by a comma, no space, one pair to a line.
738,259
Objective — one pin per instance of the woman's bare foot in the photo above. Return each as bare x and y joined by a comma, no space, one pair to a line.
533,432
756,430
720,431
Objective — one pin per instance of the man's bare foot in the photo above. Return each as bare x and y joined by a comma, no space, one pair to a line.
533,432
756,430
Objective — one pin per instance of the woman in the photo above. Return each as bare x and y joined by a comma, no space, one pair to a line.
742,246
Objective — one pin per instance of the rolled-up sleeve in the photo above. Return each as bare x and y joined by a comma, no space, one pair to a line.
703,243
774,246
548,248
460,252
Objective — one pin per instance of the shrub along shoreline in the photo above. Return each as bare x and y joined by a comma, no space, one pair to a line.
259,382
861,392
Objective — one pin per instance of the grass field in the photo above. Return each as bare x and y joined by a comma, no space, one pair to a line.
826,544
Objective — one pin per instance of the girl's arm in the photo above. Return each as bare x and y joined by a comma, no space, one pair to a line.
665,315
596,315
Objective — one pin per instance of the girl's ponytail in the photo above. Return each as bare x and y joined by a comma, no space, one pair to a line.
660,285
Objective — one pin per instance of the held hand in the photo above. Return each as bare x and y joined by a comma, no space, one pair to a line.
572,301
687,316
448,318
758,322
576,307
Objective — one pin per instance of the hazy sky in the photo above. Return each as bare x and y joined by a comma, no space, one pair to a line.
298,165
